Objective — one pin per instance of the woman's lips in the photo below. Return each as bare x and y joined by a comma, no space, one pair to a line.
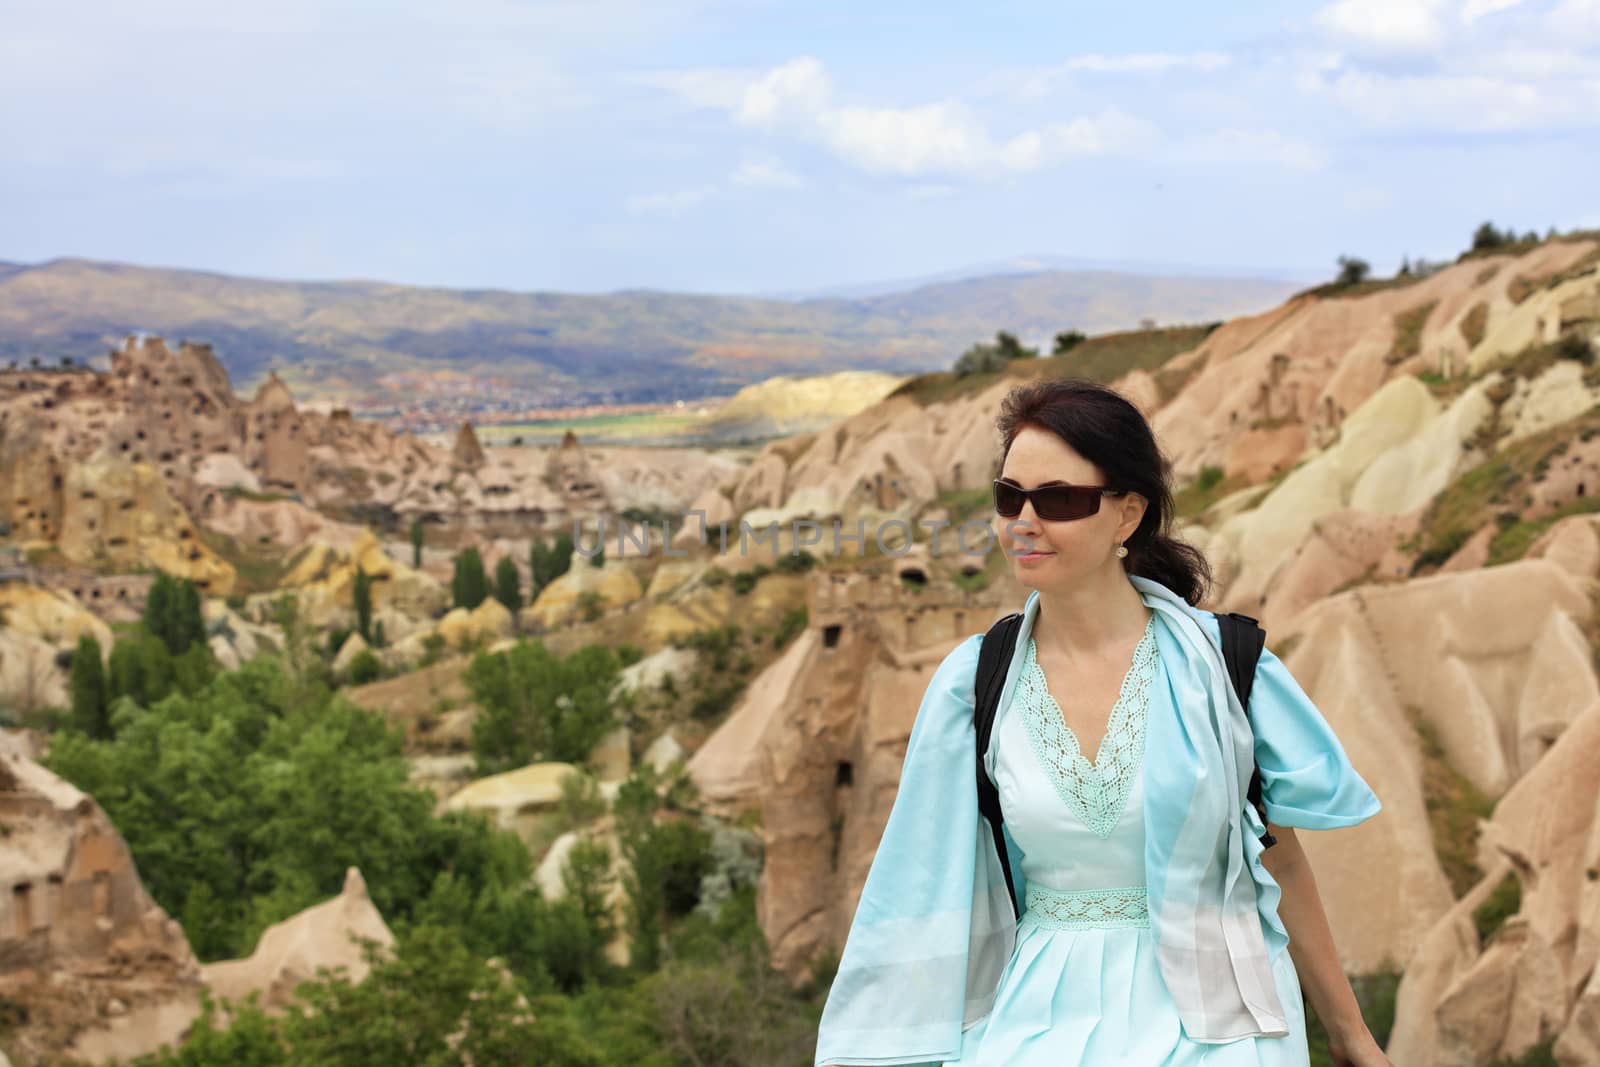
1032,557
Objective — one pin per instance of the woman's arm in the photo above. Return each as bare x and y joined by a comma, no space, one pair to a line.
1315,959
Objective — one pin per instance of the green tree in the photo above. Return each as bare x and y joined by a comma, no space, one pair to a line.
1010,348
1352,271
1066,341
587,878
667,858
470,585
172,613
987,358
417,538
535,705
433,1001
1487,237
248,801
546,563
90,698
361,594
508,585
141,669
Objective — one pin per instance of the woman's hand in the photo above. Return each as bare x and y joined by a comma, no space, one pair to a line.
1362,1051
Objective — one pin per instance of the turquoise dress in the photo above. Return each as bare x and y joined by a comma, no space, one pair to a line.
1083,986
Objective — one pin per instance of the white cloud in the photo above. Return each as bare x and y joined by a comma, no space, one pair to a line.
1148,62
1387,25
766,174
1027,84
1461,66
1473,10
1467,102
939,138
670,204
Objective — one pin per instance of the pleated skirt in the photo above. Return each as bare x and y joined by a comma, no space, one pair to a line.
1095,998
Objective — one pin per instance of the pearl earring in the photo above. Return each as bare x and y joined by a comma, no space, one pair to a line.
1122,551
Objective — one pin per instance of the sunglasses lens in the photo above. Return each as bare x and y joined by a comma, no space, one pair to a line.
1060,503
1007,500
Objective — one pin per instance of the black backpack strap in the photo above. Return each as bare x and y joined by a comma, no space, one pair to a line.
994,658
1242,642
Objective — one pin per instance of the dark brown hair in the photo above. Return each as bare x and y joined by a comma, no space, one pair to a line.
1103,427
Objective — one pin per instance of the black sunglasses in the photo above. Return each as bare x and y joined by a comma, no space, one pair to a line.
1059,502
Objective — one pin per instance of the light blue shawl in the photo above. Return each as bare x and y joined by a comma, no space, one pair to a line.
934,927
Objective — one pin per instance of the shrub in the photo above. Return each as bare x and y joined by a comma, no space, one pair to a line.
793,622
987,358
797,562
364,667
581,802
1504,901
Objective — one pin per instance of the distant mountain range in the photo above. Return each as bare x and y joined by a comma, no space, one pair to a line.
344,338
1046,263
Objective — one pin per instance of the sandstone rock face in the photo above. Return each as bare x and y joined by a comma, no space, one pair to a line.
797,405
233,639
1393,455
290,952
1466,1000
467,453
1494,663
323,579
55,618
78,931
817,742
516,800
615,585
36,626
214,453
30,678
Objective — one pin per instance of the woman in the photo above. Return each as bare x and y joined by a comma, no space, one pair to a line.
1155,928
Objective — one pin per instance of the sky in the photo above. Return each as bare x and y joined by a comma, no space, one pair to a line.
742,146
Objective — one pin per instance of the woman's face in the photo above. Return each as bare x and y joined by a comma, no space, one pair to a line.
1057,555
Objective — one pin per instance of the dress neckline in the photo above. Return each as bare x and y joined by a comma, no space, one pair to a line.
1096,792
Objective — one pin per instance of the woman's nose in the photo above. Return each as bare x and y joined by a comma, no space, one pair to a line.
1025,524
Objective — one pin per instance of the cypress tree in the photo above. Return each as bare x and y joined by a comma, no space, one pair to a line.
416,543
470,585
362,595
89,698
190,623
508,585
172,613
158,606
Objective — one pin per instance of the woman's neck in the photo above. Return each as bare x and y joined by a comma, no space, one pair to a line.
1103,611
